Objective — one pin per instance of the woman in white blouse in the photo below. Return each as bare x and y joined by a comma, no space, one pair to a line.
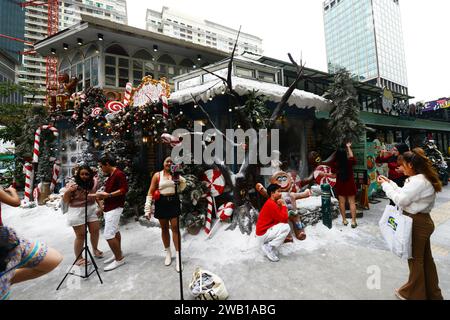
417,199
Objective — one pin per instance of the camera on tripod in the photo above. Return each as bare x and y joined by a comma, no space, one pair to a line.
176,170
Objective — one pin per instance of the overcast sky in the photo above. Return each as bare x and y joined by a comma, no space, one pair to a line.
297,27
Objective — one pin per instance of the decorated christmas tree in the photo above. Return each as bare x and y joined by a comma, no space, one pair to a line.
345,124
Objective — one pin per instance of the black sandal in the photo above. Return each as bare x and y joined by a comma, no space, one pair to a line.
354,225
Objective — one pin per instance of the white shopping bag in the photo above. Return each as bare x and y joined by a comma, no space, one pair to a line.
396,229
206,285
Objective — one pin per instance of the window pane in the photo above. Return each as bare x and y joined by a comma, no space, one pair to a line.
123,62
137,65
137,76
110,81
110,60
110,71
94,69
123,73
123,82
87,69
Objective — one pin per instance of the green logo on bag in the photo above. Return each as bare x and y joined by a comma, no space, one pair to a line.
392,223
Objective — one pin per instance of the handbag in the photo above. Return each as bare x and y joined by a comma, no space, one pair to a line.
396,229
156,195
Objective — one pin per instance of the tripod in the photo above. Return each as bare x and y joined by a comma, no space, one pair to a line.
177,181
85,250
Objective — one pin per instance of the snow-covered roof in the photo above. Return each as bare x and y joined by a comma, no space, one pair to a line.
273,92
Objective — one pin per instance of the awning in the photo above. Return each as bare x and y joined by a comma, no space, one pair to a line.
273,92
397,122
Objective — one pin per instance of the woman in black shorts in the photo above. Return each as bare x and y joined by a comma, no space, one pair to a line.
166,207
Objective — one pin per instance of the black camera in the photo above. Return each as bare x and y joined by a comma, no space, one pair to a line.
176,170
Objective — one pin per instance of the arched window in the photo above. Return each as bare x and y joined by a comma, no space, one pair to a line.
92,51
142,66
91,67
116,66
166,67
186,65
77,69
165,58
64,66
117,50
143,55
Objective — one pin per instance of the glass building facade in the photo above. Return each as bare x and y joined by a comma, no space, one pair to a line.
365,37
12,23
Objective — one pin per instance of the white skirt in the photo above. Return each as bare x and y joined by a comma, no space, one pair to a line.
75,216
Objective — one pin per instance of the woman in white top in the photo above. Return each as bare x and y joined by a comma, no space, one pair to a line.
166,207
417,199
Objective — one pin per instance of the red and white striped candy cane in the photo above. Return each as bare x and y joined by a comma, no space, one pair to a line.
209,216
127,97
165,104
55,174
37,140
28,177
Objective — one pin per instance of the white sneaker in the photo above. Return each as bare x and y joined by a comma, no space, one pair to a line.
168,259
177,267
115,264
270,253
109,260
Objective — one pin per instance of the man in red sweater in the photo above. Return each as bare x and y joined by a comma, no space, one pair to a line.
116,187
272,226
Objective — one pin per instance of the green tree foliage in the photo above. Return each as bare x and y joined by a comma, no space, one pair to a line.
19,123
345,124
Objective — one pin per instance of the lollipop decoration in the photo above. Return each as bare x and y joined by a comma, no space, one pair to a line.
216,186
114,106
225,211
320,179
96,112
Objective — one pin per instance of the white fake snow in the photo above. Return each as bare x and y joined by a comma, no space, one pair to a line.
273,92
45,224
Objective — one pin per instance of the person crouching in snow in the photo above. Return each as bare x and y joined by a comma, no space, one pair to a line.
272,226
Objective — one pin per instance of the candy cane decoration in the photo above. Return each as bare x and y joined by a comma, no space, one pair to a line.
209,216
216,185
55,174
28,178
165,104
128,90
37,140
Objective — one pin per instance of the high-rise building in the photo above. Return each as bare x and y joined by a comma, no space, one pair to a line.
70,11
181,26
366,38
12,19
33,72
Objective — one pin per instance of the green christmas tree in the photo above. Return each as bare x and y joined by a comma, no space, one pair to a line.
345,124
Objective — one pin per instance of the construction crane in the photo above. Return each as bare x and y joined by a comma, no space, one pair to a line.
52,28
